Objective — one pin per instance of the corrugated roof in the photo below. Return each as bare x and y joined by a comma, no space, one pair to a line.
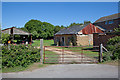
15,31
71,30
110,17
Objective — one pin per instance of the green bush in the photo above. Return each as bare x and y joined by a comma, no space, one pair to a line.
19,55
5,38
113,45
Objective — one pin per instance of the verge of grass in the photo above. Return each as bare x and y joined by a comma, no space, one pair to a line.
111,62
20,68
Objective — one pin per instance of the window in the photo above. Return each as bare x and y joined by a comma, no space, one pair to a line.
110,22
106,22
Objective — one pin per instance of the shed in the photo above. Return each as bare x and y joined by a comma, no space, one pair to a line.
24,36
77,35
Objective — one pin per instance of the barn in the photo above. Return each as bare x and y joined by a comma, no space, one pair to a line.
23,35
77,35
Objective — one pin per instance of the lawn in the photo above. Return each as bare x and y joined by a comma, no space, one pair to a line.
45,43
87,51
51,57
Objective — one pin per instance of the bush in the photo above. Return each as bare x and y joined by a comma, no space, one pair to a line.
5,38
113,45
19,55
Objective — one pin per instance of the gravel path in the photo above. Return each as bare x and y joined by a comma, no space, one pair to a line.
69,71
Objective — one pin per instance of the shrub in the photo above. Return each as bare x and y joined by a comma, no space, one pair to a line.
113,45
5,38
19,55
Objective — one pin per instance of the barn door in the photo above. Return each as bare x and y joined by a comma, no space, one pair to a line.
63,41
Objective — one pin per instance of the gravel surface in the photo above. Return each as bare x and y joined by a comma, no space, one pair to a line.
68,71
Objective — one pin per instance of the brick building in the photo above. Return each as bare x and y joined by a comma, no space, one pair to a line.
108,22
99,38
77,35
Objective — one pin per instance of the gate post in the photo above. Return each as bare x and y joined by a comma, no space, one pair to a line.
100,53
41,51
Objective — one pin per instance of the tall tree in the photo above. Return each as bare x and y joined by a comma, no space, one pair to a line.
73,24
87,22
40,29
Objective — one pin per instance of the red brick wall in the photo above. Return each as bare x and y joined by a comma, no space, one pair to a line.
101,38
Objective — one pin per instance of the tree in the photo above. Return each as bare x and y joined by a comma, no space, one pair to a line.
24,29
40,29
73,24
87,22
58,28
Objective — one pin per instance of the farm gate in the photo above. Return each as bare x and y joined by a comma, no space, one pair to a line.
71,54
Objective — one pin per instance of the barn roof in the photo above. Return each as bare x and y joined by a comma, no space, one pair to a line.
110,17
74,29
15,31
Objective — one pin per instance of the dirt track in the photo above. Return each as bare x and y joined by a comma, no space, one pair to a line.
69,56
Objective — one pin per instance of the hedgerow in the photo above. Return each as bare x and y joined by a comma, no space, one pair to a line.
19,55
113,45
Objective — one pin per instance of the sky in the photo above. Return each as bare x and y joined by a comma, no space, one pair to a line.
56,13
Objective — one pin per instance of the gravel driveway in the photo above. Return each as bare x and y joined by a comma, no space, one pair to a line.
69,71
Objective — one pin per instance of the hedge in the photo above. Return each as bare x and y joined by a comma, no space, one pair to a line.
19,55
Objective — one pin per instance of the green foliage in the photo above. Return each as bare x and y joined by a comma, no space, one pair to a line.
24,29
73,24
87,22
117,29
113,45
19,55
5,37
58,28
40,29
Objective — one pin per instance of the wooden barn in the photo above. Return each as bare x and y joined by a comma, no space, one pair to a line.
77,35
19,35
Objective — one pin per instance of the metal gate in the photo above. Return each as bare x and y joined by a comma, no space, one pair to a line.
71,54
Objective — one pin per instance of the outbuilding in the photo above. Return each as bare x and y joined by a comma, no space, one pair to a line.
77,35
24,37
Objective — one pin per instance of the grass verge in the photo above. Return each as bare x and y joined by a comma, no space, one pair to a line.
20,68
111,62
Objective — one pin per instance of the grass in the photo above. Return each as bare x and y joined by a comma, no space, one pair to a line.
92,54
45,42
49,57
20,68
111,62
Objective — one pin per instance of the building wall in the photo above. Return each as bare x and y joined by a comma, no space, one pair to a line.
109,26
67,40
74,40
102,38
83,40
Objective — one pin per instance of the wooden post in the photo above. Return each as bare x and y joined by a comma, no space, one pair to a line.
41,51
100,53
